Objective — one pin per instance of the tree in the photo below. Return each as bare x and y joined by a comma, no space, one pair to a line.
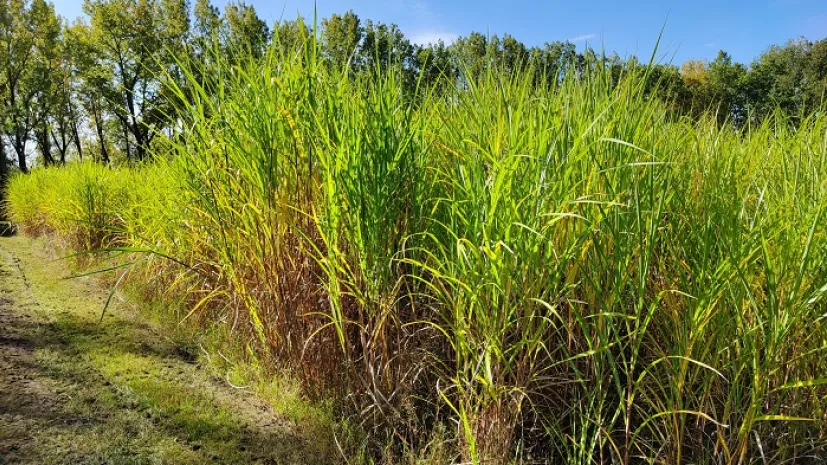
586,61
4,169
341,36
290,34
726,81
514,54
434,64
696,80
666,80
245,31
470,53
554,58
206,29
92,78
816,74
508,53
46,85
384,45
27,31
207,19
64,110
5,20
136,40
778,78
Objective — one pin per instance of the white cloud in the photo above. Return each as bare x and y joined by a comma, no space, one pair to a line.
710,45
432,37
582,38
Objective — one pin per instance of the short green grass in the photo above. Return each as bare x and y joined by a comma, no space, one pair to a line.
119,392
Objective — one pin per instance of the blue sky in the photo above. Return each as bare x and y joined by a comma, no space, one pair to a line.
695,29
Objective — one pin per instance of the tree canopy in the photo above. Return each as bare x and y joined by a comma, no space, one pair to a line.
95,87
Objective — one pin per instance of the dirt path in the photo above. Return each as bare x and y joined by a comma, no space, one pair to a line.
75,391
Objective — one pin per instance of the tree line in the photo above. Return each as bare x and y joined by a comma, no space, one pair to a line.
93,88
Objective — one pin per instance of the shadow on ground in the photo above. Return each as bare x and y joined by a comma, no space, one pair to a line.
76,391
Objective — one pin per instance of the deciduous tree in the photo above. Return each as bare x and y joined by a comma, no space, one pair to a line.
27,30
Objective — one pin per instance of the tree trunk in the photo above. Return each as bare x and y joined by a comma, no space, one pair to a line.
62,143
3,175
134,126
140,148
42,138
3,166
128,146
76,137
20,148
96,115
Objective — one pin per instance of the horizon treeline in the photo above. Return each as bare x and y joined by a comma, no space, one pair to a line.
94,87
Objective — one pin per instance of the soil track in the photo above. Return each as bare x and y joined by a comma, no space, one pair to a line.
76,391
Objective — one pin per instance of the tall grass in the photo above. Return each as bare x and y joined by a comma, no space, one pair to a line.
558,272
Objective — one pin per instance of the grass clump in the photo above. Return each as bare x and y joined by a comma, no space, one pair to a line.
556,271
